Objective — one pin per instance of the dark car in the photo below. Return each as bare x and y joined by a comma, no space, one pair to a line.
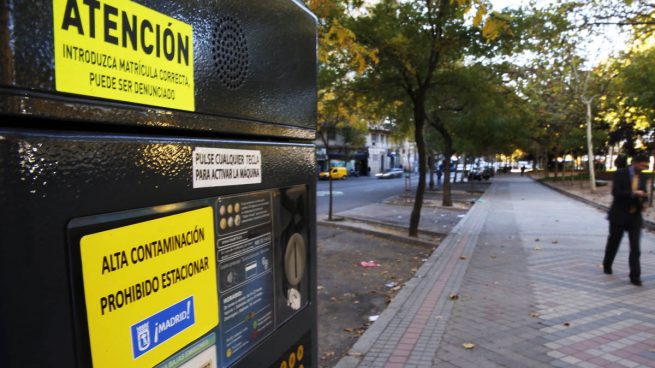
480,174
391,173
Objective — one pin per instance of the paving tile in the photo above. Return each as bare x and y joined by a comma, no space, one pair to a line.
584,318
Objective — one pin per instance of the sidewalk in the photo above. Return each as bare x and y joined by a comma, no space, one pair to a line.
602,198
518,281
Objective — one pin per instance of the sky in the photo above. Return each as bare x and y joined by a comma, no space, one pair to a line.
598,49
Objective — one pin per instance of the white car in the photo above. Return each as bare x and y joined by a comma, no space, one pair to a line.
391,173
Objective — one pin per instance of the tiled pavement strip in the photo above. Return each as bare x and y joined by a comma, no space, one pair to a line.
524,263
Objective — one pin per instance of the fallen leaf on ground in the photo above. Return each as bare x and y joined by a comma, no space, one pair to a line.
328,354
463,258
555,242
536,240
536,247
535,315
349,329
453,296
493,257
567,324
468,345
319,287
354,353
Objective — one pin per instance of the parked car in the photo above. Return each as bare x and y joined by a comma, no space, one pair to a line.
391,173
479,174
338,172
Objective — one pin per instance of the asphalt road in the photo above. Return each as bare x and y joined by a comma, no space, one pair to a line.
357,191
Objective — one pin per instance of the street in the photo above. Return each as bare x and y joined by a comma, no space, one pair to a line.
357,191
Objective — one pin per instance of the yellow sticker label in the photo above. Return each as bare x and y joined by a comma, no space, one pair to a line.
123,51
149,288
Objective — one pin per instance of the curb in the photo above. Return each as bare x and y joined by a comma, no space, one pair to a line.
381,234
391,225
650,225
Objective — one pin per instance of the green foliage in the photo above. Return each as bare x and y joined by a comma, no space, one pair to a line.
628,108
483,115
340,109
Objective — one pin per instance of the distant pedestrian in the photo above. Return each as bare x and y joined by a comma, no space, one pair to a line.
439,174
629,192
522,170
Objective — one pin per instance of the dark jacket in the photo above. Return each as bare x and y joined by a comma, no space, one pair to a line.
624,200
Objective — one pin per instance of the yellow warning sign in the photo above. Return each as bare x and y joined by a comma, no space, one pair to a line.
123,51
149,288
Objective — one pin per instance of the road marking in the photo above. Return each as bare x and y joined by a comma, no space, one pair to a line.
325,193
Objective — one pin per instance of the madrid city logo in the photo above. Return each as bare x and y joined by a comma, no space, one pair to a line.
143,336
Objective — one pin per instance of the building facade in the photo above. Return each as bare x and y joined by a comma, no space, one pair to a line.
381,152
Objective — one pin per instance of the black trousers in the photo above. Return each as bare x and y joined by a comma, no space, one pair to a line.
614,239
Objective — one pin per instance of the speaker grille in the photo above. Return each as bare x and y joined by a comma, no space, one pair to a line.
230,50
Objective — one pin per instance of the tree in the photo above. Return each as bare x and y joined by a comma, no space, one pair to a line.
637,78
413,40
636,15
475,113
340,110
588,85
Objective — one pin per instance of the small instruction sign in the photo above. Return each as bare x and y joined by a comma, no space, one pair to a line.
217,167
245,257
149,288
124,51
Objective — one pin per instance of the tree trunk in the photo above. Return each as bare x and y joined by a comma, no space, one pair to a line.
329,167
611,165
419,122
469,178
590,149
431,165
650,186
446,199
573,168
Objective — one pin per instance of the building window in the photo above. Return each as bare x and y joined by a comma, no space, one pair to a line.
332,133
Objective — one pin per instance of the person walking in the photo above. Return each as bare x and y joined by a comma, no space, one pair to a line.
439,174
629,199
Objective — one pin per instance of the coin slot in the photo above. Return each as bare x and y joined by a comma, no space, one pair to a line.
294,259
